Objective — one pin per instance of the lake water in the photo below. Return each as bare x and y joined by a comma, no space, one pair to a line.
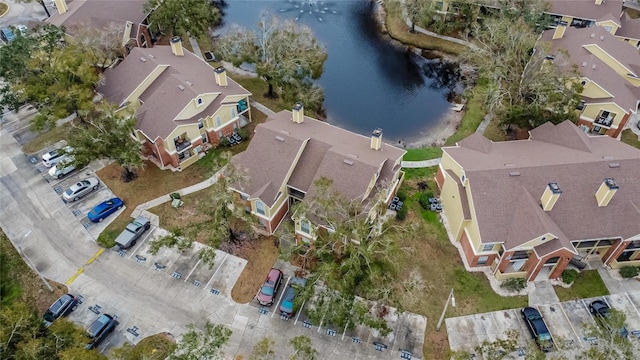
368,82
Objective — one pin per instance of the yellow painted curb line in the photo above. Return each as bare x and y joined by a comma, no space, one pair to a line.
81,270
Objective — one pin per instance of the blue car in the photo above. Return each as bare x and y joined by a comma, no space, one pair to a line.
105,209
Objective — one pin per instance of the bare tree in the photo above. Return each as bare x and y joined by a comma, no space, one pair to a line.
106,44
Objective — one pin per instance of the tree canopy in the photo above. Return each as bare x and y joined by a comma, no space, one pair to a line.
206,344
195,17
286,54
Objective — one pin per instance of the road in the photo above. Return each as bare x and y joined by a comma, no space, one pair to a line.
141,289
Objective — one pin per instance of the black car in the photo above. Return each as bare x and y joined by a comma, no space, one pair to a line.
62,307
99,329
537,328
600,310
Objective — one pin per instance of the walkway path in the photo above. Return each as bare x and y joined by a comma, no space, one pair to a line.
484,123
195,46
421,164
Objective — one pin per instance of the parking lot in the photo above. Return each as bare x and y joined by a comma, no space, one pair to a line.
566,322
164,292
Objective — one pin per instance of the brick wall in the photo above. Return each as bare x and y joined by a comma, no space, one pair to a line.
472,260
440,177
278,217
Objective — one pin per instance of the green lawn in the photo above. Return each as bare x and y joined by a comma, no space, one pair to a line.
419,173
473,116
425,153
588,284
48,138
628,137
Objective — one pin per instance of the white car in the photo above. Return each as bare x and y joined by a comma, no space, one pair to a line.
81,188
55,156
62,168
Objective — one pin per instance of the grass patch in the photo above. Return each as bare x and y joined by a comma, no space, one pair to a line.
425,153
473,116
19,284
494,132
630,138
399,30
419,173
48,138
587,284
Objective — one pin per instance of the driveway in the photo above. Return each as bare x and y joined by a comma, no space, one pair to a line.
164,292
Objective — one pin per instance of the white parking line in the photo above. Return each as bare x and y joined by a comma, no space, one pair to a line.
284,290
218,269
192,270
299,311
571,325
632,304
587,308
135,250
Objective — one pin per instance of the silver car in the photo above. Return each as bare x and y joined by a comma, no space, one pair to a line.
62,168
81,188
53,157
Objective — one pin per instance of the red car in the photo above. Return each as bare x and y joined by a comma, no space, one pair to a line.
267,292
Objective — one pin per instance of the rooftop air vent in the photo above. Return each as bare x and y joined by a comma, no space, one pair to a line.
284,132
593,35
353,156
514,173
584,63
181,87
143,59
348,162
509,165
601,38
151,56
614,165
188,82
280,138
593,66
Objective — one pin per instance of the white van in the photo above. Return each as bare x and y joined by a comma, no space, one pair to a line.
55,156
62,168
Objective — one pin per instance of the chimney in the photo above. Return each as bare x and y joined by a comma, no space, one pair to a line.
599,2
376,139
550,196
176,46
62,7
221,76
558,33
606,191
298,113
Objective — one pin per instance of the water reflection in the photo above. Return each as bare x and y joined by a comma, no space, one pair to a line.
368,81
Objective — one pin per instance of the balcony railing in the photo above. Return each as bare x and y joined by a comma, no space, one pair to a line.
603,121
242,106
182,144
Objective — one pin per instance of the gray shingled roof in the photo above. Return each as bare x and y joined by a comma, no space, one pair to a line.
596,70
630,27
268,159
98,14
164,99
587,9
508,208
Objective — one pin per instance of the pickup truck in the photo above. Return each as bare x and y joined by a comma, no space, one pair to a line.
132,232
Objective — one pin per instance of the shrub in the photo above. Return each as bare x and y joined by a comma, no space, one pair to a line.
402,213
424,200
174,195
629,271
514,285
107,238
244,133
402,194
569,276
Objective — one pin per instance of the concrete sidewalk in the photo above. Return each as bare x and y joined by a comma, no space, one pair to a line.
421,164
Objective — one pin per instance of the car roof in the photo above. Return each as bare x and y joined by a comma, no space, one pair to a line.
274,273
98,324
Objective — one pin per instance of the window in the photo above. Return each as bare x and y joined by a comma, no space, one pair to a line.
482,260
260,207
233,112
487,247
200,124
520,255
608,28
199,101
305,226
217,120
205,139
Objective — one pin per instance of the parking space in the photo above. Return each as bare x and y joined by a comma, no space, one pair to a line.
577,312
626,303
562,331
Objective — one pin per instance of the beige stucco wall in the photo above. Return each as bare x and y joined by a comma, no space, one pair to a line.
594,91
191,130
452,206
591,111
536,241
614,26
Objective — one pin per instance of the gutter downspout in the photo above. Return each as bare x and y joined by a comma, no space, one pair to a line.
159,155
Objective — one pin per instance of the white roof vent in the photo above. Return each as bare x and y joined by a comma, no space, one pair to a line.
353,156
348,162
188,82
149,55
601,38
181,87
143,59
514,173
614,165
593,66
280,138
593,35
584,63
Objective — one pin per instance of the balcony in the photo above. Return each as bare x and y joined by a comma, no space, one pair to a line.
181,143
242,106
604,121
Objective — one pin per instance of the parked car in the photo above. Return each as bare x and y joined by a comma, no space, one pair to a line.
62,307
104,209
537,328
600,310
129,236
268,290
99,329
287,306
81,188
55,156
9,34
62,168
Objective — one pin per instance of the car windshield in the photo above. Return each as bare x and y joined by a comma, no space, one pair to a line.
48,315
267,289
84,182
69,192
544,337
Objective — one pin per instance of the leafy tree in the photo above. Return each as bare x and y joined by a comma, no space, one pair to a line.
285,53
415,9
195,17
56,77
609,343
197,345
302,349
524,88
264,350
107,133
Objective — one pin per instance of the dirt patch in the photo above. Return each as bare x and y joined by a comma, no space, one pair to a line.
260,254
